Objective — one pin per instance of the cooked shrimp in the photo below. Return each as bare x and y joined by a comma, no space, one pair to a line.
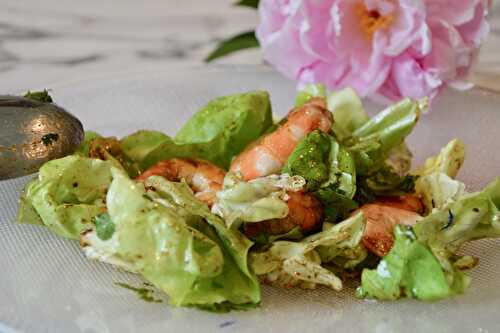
380,222
409,202
304,211
204,178
268,154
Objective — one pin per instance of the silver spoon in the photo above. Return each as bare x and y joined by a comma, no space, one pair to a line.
32,133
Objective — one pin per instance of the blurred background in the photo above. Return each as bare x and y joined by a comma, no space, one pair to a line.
44,42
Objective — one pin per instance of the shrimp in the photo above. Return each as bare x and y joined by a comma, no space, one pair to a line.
409,202
304,211
269,153
383,216
204,178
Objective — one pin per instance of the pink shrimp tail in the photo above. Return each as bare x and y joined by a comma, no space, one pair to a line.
268,154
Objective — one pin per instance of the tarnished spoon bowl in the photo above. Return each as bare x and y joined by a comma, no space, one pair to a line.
32,133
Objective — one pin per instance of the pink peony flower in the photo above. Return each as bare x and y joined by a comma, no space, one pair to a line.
381,48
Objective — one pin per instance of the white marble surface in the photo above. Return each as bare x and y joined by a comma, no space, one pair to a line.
45,42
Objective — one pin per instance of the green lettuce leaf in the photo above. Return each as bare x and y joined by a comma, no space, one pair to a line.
26,213
410,269
257,200
329,171
308,92
139,144
391,179
348,112
372,143
219,131
473,216
436,184
449,160
85,145
67,195
164,233
289,264
345,104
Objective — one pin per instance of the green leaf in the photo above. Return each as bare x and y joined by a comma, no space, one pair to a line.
105,228
67,194
259,200
85,145
248,3
216,133
372,143
308,92
245,40
329,171
39,96
348,112
410,270
168,236
287,263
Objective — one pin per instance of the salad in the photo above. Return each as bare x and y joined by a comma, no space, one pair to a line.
324,196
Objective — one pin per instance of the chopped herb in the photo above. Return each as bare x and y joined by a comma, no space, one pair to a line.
50,138
105,227
40,96
143,293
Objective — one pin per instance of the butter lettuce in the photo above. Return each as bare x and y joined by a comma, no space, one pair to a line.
424,262
449,160
310,91
289,264
329,171
139,144
345,105
436,184
257,200
164,233
85,145
473,216
218,132
372,143
348,112
391,179
67,195
410,269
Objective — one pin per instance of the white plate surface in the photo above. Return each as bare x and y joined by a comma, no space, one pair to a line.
46,284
